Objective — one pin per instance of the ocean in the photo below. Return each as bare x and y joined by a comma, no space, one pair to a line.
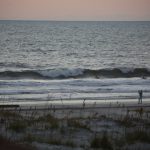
56,60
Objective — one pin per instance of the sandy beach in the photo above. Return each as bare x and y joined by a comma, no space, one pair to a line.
78,125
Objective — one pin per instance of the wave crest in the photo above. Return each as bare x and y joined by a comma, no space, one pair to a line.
77,73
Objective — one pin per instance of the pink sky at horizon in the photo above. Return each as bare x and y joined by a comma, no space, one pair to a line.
75,10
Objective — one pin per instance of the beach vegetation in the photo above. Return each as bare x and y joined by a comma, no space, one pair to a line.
120,142
138,135
63,130
140,112
69,143
54,141
53,122
126,121
29,138
10,114
104,131
17,126
102,142
77,124
7,144
95,143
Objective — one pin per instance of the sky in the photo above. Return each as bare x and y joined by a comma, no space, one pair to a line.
82,10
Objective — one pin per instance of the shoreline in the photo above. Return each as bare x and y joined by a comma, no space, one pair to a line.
75,104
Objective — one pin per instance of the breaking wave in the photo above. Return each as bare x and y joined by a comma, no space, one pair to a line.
77,73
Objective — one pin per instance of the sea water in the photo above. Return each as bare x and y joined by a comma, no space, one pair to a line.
53,60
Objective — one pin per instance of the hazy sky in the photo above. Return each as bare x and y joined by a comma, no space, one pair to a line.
75,9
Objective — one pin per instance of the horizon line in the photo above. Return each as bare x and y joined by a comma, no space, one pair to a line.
46,20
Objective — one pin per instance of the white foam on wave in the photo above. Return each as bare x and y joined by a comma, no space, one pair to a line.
127,70
78,85
74,86
77,82
54,73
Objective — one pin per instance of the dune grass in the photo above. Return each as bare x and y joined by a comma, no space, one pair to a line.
48,128
6,144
